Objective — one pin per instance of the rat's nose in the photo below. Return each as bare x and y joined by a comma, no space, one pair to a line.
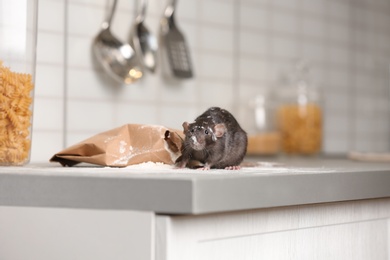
194,140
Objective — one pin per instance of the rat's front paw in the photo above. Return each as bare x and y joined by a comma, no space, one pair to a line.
233,167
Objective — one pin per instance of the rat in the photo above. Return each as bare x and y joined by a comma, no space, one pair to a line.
215,140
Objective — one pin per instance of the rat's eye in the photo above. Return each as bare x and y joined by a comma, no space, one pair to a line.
206,132
192,130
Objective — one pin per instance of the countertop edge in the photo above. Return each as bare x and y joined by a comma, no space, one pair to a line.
96,193
294,190
187,193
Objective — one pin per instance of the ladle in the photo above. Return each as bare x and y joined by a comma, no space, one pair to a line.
144,42
118,59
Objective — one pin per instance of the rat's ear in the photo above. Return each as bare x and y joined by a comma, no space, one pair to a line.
185,127
219,130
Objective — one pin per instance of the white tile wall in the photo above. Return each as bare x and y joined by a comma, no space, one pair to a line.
239,48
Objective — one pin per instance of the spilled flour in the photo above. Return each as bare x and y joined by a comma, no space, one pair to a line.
253,168
151,166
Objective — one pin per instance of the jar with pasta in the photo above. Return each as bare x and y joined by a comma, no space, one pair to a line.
300,115
17,70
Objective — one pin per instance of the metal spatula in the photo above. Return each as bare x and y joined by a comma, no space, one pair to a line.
174,44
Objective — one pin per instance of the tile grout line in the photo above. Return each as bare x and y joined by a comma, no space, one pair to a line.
352,137
199,60
236,58
65,82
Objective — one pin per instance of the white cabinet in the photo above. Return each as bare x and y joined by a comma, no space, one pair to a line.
75,234
345,230
348,230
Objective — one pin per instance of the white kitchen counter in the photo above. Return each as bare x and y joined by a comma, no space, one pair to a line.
162,189
299,209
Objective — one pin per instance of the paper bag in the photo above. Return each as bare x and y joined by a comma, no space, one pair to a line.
125,145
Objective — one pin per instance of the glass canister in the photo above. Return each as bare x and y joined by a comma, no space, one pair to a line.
18,37
300,115
263,136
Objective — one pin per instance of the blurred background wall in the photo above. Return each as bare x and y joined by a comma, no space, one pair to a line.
239,49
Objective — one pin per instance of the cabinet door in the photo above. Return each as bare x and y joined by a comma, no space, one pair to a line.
63,234
350,230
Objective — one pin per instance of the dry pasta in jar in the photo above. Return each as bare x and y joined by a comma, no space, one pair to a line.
299,113
15,116
301,128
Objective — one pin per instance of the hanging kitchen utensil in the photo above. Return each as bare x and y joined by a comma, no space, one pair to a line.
118,59
144,42
174,43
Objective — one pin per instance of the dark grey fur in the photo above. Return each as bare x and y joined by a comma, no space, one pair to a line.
214,140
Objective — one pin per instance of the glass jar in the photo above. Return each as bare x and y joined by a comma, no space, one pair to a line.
300,115
263,136
18,37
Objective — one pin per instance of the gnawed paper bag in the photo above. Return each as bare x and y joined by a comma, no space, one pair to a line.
125,145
